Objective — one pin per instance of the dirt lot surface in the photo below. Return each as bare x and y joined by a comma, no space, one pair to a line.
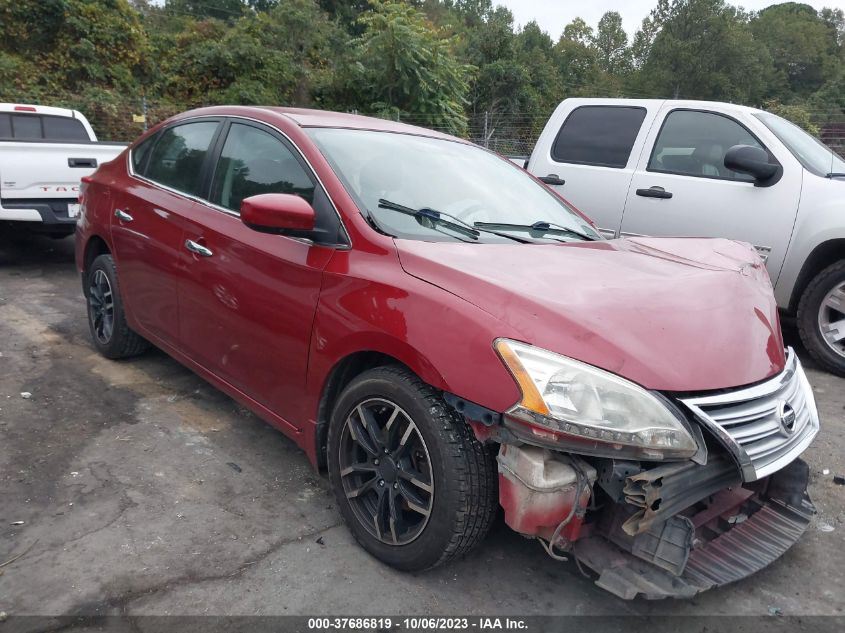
142,490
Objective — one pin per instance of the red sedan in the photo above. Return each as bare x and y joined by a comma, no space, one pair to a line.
443,334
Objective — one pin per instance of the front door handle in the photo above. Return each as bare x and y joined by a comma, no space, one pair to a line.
122,216
654,192
199,249
552,179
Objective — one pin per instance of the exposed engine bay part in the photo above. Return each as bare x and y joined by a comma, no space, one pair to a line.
544,493
666,490
737,533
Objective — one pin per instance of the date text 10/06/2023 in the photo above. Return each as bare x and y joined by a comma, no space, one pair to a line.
417,623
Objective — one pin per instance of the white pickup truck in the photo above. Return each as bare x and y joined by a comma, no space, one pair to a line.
44,153
706,169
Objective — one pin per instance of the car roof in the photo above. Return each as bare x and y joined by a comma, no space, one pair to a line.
305,117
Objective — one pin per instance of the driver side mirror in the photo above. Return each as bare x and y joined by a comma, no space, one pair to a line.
281,213
753,161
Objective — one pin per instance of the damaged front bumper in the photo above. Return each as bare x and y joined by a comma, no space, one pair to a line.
676,529
739,532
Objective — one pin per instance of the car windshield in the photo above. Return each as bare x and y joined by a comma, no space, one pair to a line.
814,155
464,183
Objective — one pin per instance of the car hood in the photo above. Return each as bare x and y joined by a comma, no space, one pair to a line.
672,314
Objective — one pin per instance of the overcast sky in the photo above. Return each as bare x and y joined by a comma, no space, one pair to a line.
553,15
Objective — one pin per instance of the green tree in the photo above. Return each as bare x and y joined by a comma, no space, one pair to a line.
650,27
75,44
803,48
611,44
402,64
705,49
576,57
201,9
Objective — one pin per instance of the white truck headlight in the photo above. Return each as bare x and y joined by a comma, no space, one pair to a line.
590,410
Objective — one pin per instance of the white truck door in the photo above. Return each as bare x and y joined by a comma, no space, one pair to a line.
681,186
593,147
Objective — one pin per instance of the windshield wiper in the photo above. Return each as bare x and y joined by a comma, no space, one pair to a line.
538,227
445,219
434,216
835,174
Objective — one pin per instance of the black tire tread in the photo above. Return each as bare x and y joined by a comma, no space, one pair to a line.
475,467
807,319
125,341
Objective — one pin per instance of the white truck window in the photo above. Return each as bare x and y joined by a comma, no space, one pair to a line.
26,127
694,143
35,127
57,128
598,135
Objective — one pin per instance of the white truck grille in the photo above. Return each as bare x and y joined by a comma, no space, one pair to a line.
765,426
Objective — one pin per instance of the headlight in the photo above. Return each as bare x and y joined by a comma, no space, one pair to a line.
590,410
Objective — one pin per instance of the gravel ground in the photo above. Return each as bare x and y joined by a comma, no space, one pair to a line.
143,490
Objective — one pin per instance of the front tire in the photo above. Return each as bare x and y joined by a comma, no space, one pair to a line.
413,483
106,318
821,318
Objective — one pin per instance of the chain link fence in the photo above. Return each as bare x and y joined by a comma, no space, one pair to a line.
510,134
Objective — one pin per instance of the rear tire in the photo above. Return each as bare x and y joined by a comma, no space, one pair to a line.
106,318
455,474
823,303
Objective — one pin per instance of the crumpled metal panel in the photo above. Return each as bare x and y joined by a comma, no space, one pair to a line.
666,490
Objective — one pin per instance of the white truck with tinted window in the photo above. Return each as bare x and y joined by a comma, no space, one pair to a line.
706,169
44,154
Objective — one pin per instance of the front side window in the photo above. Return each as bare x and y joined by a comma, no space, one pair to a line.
694,143
598,135
254,162
177,158
477,189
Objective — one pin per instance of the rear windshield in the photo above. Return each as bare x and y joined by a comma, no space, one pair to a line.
41,127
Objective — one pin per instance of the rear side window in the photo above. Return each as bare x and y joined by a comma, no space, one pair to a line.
5,126
254,162
693,143
141,153
27,127
598,135
176,160
58,128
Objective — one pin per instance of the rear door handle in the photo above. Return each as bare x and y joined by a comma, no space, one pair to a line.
199,249
122,216
552,179
654,192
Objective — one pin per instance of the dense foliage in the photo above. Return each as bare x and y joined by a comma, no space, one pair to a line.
444,63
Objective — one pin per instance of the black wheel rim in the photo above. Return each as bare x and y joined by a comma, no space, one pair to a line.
385,469
101,306
832,319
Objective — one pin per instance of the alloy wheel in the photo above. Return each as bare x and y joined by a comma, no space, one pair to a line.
832,319
101,306
386,471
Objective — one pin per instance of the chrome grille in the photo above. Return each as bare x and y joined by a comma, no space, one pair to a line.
756,423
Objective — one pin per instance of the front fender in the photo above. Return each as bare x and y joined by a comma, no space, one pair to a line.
445,340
